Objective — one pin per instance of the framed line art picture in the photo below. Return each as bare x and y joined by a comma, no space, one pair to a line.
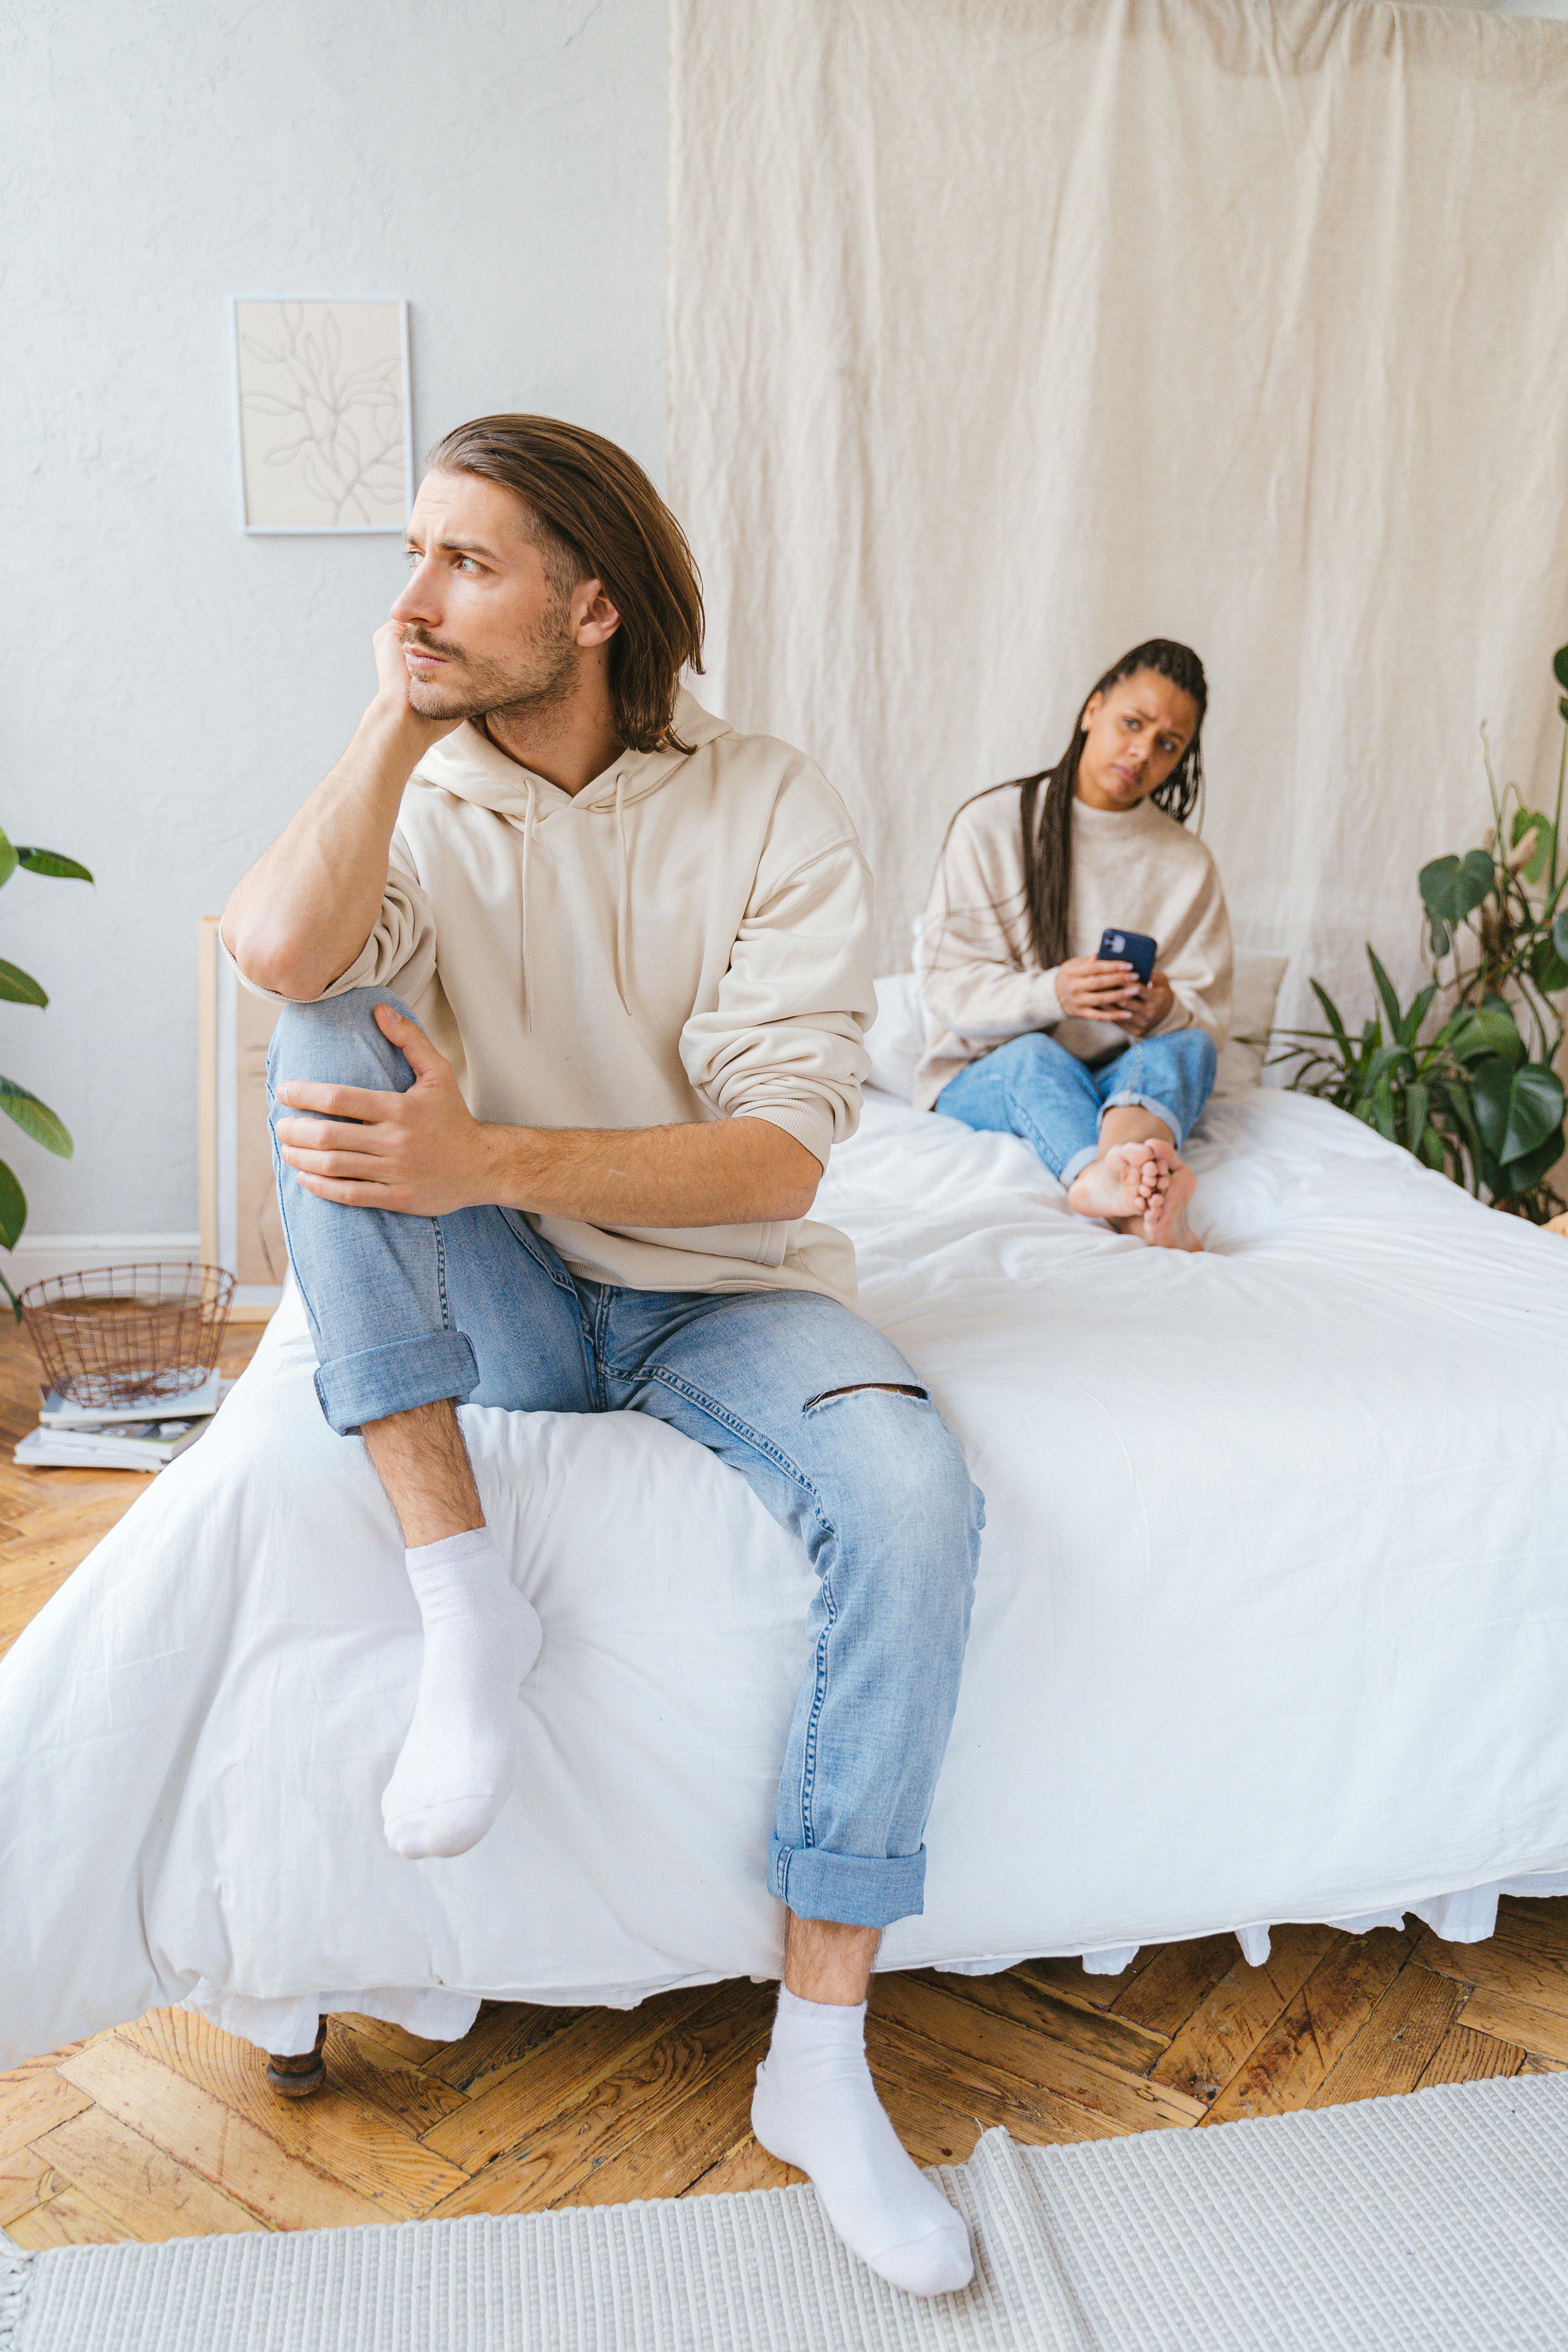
241,1226
324,421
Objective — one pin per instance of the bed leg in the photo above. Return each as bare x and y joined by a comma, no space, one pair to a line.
295,2078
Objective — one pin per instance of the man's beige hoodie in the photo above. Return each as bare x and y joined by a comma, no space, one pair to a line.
687,939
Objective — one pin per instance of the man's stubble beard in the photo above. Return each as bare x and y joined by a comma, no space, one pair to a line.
538,684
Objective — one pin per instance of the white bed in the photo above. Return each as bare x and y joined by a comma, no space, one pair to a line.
1272,1623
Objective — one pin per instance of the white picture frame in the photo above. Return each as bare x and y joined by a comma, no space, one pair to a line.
323,415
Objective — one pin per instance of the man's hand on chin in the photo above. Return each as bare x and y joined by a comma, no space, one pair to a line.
422,1153
395,687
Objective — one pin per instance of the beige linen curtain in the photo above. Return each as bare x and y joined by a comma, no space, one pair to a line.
1008,332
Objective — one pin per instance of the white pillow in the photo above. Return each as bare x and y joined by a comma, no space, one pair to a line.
1259,973
896,1039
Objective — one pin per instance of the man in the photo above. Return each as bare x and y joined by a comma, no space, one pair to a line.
631,950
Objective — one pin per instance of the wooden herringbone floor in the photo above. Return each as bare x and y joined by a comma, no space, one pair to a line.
165,2128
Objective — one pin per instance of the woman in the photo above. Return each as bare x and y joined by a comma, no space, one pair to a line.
1027,1031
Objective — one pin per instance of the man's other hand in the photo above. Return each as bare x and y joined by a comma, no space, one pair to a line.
422,1153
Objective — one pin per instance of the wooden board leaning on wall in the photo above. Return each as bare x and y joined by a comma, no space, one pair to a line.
240,1223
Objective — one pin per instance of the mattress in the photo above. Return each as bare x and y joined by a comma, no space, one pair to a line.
1271,1623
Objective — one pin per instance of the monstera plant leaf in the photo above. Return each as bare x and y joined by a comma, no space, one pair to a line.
1560,672
1518,1111
1518,1175
1542,834
1548,966
1451,889
1486,1029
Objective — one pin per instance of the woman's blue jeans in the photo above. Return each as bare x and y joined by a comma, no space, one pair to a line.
404,1310
1035,1089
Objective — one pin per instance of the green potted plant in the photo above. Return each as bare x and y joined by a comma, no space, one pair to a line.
33,1117
1464,1075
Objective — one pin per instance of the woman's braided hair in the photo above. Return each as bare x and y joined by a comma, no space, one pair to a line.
1047,816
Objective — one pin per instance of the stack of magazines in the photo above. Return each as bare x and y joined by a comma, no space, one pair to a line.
72,1436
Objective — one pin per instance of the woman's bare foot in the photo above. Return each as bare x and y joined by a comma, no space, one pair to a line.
1141,1189
1119,1186
1171,1185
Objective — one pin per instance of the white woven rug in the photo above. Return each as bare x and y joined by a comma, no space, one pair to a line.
1436,2222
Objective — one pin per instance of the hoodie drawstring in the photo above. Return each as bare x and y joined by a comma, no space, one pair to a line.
623,895
527,860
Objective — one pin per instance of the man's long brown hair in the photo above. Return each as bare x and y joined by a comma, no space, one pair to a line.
595,515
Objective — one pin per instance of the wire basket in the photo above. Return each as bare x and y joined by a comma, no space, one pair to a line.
127,1334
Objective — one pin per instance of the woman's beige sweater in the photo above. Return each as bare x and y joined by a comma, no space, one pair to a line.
983,985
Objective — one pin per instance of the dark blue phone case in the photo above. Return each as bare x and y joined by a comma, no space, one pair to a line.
1129,946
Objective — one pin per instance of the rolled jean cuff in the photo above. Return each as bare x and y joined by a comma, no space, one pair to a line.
855,1889
1072,1169
1156,1110
376,1381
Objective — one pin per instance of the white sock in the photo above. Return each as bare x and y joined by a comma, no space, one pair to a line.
480,1638
816,2107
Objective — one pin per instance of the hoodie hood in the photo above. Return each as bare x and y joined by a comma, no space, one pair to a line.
467,765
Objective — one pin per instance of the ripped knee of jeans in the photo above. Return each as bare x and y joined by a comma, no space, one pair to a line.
875,1388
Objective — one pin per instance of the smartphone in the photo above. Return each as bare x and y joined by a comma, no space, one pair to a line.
1129,946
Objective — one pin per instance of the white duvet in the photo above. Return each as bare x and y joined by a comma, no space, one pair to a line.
1272,1623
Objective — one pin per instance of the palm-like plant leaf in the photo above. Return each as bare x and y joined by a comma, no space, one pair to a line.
1416,1099
1331,1015
19,1103
19,987
53,862
13,1208
36,1118
1388,995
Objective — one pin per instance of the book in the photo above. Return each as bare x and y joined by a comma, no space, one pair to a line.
128,1445
64,1412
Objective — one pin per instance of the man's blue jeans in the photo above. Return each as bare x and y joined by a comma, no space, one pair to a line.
1035,1089
404,1310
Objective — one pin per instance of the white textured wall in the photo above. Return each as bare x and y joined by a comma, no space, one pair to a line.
172,689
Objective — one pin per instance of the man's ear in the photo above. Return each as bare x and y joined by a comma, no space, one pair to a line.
594,618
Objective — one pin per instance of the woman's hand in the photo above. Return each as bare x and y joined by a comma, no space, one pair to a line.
1088,990
1091,990
1152,1005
